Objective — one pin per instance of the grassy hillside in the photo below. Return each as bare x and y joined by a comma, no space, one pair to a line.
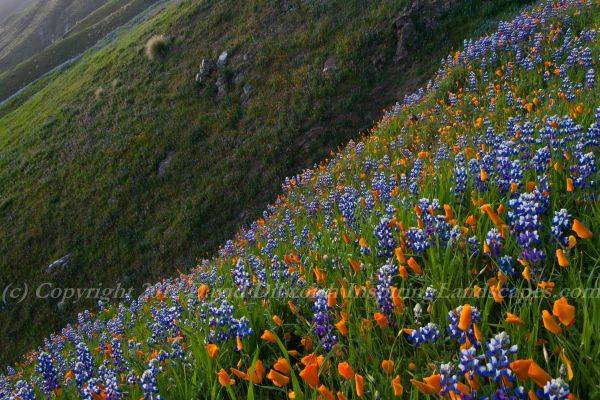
38,26
47,55
79,166
451,253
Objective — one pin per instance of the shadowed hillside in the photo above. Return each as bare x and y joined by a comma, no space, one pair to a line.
131,167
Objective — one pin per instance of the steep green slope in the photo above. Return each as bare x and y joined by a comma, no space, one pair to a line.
152,170
450,254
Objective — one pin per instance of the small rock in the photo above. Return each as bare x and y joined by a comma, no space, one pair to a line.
330,66
206,68
248,89
222,59
221,86
164,164
60,263
238,78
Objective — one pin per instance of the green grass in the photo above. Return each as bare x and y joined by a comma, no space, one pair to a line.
79,173
80,38
176,311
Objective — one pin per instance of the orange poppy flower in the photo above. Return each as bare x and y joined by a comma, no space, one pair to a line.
563,261
465,318
355,265
258,372
282,366
537,374
397,386
341,326
550,323
402,272
310,375
212,350
423,387
495,290
581,230
345,370
471,221
483,175
359,385
569,185
307,343
449,214
292,306
387,366
521,368
224,378
513,319
412,263
239,374
572,241
277,320
526,274
486,208
340,396
564,311
269,336
325,392
434,381
396,299
400,255
332,298
381,320
277,378
320,276
203,291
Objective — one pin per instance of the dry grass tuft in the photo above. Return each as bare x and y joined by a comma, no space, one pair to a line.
156,47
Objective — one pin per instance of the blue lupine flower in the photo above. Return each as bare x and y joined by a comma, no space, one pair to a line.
46,368
416,240
24,390
473,245
322,321
382,291
386,243
430,294
448,380
499,353
494,241
561,224
506,265
84,366
590,78
429,333
241,277
555,389
148,381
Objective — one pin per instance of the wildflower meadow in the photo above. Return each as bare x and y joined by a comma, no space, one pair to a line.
451,252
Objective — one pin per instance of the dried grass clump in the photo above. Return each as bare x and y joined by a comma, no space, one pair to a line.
156,47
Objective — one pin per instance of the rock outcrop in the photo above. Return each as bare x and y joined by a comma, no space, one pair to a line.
424,13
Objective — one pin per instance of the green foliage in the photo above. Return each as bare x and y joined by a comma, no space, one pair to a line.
80,173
